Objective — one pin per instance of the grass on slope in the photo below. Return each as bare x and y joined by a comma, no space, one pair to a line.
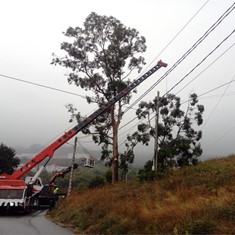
192,200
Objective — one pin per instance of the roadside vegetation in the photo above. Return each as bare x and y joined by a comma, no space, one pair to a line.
192,200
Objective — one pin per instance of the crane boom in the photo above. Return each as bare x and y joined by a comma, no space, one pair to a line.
49,151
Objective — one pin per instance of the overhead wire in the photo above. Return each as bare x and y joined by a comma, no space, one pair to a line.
200,40
201,61
67,92
205,93
209,54
173,67
126,124
180,31
84,149
206,68
216,105
41,85
220,137
187,53
167,45
225,14
216,88
170,70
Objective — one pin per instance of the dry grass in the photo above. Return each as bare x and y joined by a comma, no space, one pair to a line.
194,200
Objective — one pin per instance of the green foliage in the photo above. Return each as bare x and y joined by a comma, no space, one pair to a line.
96,182
8,160
126,158
178,141
108,176
147,174
100,56
200,226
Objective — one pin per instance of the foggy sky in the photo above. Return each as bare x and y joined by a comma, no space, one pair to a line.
32,30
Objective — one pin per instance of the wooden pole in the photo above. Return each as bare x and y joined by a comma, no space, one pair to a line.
72,164
156,135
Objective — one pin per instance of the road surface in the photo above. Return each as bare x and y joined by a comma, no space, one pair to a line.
32,224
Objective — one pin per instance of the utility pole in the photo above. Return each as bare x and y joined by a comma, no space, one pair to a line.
72,164
155,160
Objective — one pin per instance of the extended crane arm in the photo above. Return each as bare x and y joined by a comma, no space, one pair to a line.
62,173
49,151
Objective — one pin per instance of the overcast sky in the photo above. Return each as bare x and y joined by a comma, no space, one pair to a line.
32,30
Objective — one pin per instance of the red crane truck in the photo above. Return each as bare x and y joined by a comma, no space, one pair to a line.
19,194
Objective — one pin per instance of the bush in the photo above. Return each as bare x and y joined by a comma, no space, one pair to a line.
96,182
202,226
147,174
108,176
144,175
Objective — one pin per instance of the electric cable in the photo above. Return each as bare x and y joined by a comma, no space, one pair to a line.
88,153
218,101
206,68
225,133
40,85
175,65
169,43
188,52
209,54
201,62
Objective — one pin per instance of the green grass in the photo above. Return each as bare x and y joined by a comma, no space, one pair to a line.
192,200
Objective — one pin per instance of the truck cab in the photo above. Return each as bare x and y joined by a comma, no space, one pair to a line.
13,195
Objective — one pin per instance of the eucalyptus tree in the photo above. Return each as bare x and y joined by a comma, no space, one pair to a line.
100,56
177,137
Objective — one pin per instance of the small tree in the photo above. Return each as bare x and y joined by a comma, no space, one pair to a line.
146,174
97,181
101,56
178,141
8,161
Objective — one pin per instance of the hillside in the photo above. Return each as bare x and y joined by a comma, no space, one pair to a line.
193,200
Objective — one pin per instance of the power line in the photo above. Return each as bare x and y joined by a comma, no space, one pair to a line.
40,85
71,93
88,153
169,43
188,52
225,14
195,77
219,138
209,54
218,101
206,67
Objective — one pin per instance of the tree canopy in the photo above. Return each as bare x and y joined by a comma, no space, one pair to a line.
8,160
101,56
178,140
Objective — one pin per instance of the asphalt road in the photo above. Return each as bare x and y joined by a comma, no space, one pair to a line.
32,224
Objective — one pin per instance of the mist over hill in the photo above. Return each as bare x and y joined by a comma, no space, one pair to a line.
63,155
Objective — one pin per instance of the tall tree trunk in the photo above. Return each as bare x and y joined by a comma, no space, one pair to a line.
115,154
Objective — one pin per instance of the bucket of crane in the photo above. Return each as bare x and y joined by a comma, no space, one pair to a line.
89,162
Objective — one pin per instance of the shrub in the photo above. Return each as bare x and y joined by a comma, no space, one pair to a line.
96,182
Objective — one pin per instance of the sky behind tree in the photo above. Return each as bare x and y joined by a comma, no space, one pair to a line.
32,31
